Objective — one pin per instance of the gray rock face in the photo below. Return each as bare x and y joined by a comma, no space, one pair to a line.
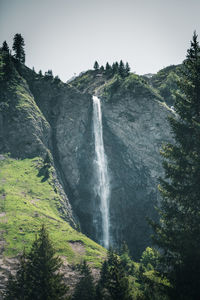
134,130
58,117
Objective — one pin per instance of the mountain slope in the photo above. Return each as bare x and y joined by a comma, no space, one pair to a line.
28,200
48,116
135,126
31,183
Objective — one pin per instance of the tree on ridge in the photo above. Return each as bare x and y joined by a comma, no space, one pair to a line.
5,47
96,66
18,47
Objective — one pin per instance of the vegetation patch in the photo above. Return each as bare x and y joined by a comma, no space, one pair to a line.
27,202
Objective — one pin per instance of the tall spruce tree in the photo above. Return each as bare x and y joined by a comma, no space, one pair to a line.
127,69
38,275
108,67
115,68
17,286
121,69
178,233
18,47
113,284
96,66
43,270
85,289
5,47
7,67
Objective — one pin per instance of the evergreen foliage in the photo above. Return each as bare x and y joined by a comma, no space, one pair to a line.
38,276
113,284
7,68
179,230
49,74
17,286
108,67
5,47
85,288
127,69
165,82
57,79
115,68
18,47
96,66
121,69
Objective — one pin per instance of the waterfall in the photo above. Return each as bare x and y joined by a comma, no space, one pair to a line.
102,185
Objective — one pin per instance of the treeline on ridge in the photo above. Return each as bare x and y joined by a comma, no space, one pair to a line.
120,68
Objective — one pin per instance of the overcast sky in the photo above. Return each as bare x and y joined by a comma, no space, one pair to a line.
67,36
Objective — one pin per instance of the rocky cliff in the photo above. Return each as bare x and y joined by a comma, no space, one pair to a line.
43,114
135,126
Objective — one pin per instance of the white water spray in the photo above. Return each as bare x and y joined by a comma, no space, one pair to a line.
103,186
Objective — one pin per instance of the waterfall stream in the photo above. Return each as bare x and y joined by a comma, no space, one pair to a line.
103,185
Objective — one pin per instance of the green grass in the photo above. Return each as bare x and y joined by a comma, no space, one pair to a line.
82,82
28,201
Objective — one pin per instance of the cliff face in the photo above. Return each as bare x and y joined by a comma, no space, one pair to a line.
134,126
47,115
24,132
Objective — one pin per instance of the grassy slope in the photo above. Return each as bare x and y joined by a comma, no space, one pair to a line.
27,201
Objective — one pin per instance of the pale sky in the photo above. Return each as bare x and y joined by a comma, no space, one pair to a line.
67,36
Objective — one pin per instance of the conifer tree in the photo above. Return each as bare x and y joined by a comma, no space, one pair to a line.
18,47
127,69
17,286
96,66
5,47
85,289
113,283
7,66
38,276
121,69
42,269
115,67
179,230
108,70
108,67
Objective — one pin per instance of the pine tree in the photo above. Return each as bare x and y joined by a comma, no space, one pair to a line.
96,66
113,283
38,277
18,47
127,69
42,270
179,229
121,69
17,286
85,289
5,47
115,68
108,67
108,70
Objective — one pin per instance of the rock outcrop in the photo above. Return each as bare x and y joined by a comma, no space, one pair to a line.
48,115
